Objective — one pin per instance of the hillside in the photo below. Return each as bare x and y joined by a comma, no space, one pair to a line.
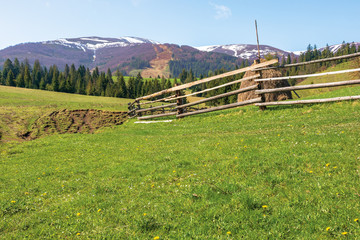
20,107
331,78
284,173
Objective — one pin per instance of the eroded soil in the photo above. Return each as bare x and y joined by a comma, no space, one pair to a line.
73,121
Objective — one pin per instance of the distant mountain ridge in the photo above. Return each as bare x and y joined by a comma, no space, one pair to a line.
134,54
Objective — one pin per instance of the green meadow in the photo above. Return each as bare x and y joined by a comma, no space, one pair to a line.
284,173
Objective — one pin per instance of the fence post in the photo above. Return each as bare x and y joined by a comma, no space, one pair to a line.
138,107
260,86
179,101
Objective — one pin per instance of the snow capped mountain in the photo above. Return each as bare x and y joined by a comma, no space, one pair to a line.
245,51
95,43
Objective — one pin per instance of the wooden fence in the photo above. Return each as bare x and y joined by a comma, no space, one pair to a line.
175,104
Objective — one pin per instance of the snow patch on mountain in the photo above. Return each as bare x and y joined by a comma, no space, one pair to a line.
208,48
95,43
245,51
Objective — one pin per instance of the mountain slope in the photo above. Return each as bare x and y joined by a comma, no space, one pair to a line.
134,54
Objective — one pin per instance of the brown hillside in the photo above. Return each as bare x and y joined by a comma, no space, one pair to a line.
159,65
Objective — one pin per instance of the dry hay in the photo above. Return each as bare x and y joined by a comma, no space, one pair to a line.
269,97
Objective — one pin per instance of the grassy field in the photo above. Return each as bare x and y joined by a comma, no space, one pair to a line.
19,107
283,173
331,78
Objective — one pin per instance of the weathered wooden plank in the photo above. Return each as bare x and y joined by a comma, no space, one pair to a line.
227,74
157,107
310,86
313,61
157,116
223,107
308,75
220,96
159,100
311,101
214,88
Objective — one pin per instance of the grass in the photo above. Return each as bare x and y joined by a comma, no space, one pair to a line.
330,78
19,107
283,173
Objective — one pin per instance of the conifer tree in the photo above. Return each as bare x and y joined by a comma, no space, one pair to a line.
288,60
55,80
27,77
8,65
10,79
20,81
16,70
122,87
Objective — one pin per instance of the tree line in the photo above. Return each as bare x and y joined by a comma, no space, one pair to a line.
78,80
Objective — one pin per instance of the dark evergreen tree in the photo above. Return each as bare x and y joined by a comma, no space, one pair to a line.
10,79
27,77
8,65
20,80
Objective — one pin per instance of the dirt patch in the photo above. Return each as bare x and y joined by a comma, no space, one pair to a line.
73,121
159,65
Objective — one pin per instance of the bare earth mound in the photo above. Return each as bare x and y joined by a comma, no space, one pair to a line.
269,97
73,121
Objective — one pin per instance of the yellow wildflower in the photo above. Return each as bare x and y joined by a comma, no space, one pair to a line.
156,238
26,193
310,171
13,201
174,171
78,214
356,220
328,164
328,228
228,233
264,206
145,214
344,233
335,167
78,234
99,210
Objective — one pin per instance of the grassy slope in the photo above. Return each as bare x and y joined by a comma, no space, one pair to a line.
288,172
331,78
20,106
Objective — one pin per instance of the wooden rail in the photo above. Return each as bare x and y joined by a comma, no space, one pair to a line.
307,75
220,96
157,116
217,87
157,107
310,86
313,61
159,100
205,80
232,105
311,101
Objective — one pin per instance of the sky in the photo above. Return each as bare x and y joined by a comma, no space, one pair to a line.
285,24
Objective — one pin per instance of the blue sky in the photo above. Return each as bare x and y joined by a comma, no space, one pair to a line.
288,25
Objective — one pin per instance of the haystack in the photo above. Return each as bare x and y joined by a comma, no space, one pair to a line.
269,97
